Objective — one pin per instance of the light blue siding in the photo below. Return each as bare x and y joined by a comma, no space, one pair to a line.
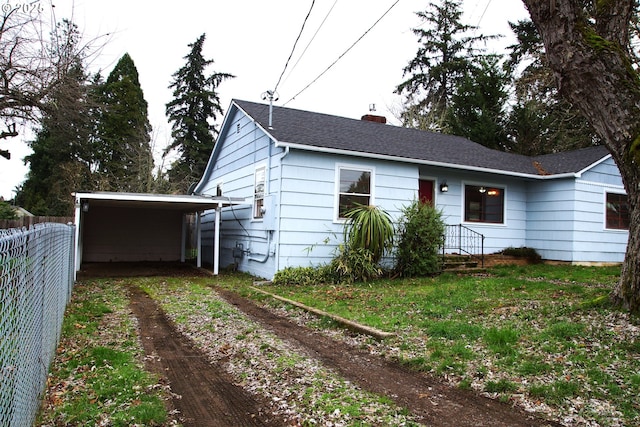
512,233
309,234
592,241
605,172
550,217
234,168
563,219
566,218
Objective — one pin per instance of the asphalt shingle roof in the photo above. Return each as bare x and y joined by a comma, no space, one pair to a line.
326,132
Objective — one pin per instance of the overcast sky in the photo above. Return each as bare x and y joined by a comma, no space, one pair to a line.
252,39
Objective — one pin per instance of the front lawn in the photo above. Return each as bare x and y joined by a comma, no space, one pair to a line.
542,337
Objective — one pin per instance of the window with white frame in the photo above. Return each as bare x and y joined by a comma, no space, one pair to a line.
258,192
354,188
483,204
617,211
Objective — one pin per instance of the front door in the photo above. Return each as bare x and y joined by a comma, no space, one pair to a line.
425,191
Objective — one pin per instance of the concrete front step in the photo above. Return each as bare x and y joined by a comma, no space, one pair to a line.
461,263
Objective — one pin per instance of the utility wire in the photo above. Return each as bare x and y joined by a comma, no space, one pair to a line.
483,12
294,45
343,54
312,38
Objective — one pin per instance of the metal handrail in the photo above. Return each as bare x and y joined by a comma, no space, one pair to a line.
465,240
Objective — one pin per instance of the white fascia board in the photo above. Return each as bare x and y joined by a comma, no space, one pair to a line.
166,198
266,131
422,162
594,164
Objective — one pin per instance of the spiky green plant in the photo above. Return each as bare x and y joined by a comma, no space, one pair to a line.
369,227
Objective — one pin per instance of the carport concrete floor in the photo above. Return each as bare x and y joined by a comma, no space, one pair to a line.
141,268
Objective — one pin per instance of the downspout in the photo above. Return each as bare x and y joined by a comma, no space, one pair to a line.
267,192
277,251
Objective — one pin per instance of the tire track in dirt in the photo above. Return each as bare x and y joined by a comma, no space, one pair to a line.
205,395
435,403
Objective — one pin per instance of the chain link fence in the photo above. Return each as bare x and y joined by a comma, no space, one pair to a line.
36,279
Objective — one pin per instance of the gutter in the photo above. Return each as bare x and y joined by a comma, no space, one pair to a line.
429,163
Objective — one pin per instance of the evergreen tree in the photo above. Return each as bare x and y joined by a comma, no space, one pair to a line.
60,162
194,108
7,211
541,121
478,104
444,56
124,161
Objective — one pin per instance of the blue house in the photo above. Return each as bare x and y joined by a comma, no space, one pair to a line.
301,170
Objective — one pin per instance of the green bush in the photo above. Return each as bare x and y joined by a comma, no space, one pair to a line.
420,237
303,276
522,252
354,264
348,266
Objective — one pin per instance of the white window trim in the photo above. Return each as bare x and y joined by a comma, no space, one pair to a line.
604,210
264,193
463,204
336,192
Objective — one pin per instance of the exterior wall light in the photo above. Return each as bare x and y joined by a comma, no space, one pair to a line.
444,187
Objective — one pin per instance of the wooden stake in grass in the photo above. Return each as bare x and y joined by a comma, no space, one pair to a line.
376,333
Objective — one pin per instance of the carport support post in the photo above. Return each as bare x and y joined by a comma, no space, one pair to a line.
78,248
199,239
183,249
216,241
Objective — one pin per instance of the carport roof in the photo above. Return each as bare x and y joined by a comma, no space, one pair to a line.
182,202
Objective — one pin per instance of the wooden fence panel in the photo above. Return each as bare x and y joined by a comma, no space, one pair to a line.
27,221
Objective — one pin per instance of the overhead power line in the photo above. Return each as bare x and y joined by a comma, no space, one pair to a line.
483,12
312,38
343,53
313,2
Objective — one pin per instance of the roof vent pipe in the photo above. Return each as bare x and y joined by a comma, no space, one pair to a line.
272,96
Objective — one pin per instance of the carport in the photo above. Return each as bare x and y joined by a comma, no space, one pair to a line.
133,227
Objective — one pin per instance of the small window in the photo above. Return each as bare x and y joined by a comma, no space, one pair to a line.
354,189
617,211
483,204
258,193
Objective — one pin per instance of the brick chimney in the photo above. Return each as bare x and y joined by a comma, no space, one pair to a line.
374,118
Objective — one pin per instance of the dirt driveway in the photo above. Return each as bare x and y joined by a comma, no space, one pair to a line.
206,396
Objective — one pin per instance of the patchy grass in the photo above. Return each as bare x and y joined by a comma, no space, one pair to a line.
300,387
97,377
543,337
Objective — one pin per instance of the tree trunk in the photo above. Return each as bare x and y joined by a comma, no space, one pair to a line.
591,58
627,292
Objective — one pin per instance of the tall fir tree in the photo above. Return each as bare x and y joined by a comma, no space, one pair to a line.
124,160
540,120
447,49
192,112
61,157
477,109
